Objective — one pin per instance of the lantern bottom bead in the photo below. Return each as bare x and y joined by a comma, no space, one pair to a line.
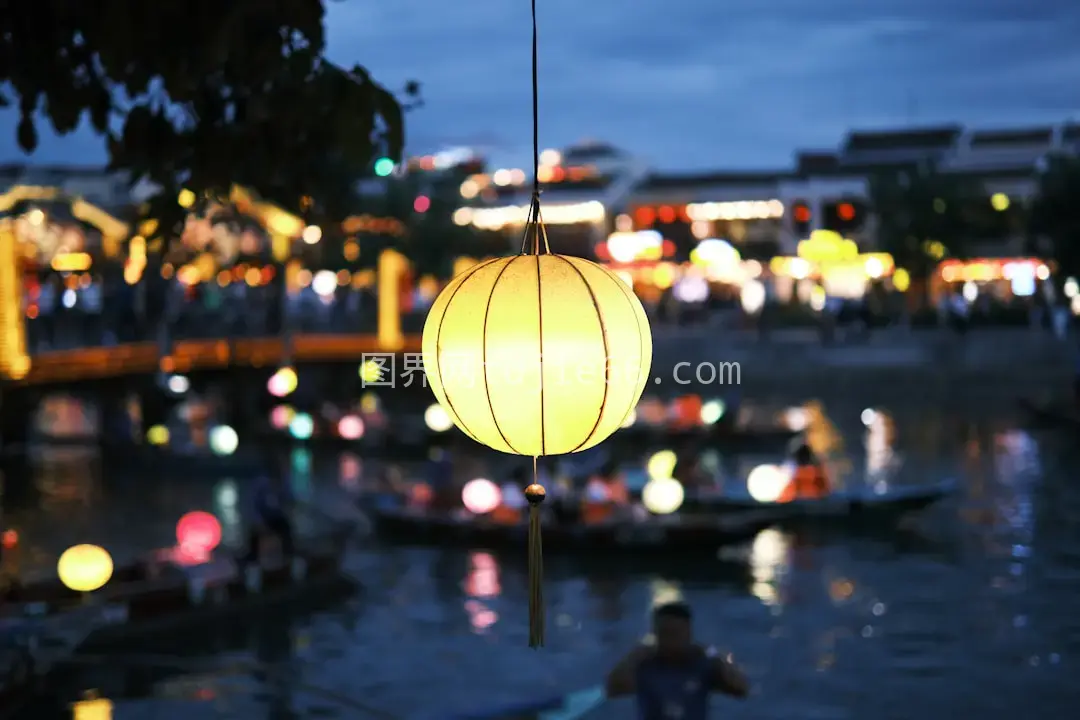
535,494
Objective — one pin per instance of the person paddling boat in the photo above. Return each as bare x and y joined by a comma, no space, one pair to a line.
674,678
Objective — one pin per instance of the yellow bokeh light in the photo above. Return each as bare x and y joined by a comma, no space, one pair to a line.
186,199
662,464
1000,202
662,496
158,435
537,355
372,372
901,280
84,568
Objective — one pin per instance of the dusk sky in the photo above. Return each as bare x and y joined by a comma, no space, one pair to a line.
694,84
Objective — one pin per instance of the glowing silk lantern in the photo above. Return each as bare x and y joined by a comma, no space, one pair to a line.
537,354
198,533
767,482
437,419
351,427
84,568
662,496
481,496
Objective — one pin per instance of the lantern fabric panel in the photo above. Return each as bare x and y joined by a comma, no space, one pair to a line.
432,349
629,346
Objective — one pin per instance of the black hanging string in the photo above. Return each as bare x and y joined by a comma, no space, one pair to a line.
535,493
534,223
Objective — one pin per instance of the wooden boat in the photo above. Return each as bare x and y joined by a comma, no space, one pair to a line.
656,535
161,591
569,706
714,436
863,504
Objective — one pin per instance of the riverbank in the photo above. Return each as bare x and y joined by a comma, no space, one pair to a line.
886,364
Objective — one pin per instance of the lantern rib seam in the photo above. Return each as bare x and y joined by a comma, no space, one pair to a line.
540,337
641,344
438,349
603,338
483,356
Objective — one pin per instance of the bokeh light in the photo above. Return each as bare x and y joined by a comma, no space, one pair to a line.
351,427
157,435
198,533
283,382
301,426
84,568
767,482
661,465
281,416
662,496
481,496
437,419
223,440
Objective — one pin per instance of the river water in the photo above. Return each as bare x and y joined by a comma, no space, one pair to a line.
971,611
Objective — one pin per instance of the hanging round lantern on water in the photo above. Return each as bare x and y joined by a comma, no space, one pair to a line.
537,354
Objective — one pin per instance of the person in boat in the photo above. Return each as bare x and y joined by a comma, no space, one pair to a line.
605,494
674,677
440,479
809,480
271,506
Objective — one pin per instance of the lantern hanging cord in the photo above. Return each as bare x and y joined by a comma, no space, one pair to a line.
534,223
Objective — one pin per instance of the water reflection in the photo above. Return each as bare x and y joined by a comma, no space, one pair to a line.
769,563
481,583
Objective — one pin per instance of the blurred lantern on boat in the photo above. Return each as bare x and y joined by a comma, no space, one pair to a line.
712,411
281,416
662,496
767,482
752,297
283,382
686,411
661,465
157,435
84,568
223,440
198,533
481,496
560,347
351,427
437,419
301,426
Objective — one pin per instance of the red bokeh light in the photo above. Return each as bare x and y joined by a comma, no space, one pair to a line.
845,211
198,532
801,213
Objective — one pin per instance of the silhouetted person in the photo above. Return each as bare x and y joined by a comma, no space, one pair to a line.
674,677
270,516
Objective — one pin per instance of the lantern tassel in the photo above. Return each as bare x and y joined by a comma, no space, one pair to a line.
536,494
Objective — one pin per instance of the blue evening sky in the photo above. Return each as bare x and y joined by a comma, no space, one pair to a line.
696,84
